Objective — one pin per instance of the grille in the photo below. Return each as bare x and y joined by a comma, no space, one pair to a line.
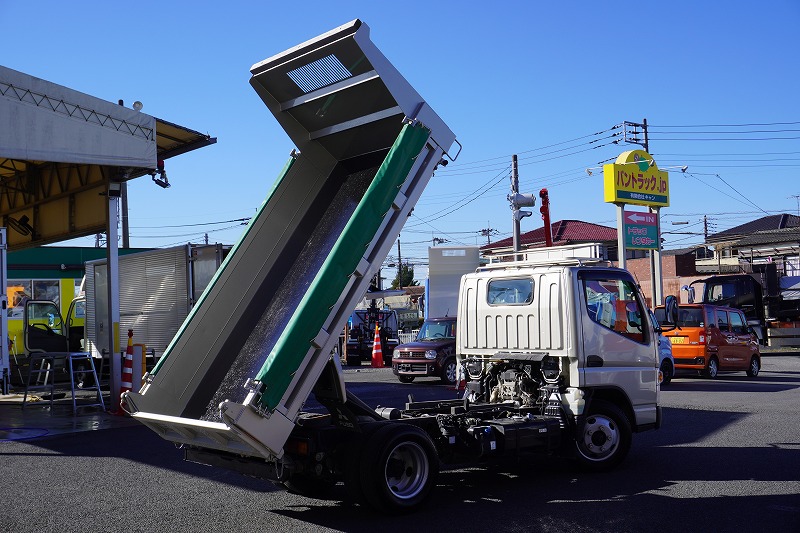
320,73
413,355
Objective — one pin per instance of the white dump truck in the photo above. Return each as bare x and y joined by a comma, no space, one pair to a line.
569,368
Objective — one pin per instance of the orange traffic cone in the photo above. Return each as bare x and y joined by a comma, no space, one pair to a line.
127,373
377,351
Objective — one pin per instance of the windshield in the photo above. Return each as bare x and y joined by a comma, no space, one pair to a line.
435,331
690,317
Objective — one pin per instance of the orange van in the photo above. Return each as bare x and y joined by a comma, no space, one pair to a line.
711,338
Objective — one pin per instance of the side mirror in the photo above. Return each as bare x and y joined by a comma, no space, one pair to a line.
671,309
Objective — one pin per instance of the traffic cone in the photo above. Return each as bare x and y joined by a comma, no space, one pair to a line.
377,351
127,374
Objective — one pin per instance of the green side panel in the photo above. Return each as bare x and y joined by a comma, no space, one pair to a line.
222,267
289,352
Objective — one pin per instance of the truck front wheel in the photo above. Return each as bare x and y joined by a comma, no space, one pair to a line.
604,438
399,468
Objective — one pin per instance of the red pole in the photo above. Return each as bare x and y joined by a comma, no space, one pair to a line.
545,210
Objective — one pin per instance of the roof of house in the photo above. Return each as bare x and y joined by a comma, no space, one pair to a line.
778,236
771,222
564,232
690,250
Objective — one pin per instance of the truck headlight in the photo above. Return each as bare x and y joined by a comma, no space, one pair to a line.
396,354
430,354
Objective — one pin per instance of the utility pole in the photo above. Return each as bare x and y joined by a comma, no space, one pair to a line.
399,266
518,200
487,232
705,228
797,197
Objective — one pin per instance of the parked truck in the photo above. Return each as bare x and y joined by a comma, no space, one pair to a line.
769,300
570,367
157,289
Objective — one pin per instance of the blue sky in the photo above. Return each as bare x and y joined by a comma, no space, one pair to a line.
717,83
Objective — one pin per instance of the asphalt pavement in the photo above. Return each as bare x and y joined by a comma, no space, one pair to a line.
726,460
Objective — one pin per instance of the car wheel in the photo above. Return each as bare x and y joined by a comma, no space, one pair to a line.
754,368
713,368
604,437
405,379
353,360
399,468
449,372
667,372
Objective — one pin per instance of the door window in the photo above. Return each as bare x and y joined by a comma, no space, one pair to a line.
613,304
738,325
722,320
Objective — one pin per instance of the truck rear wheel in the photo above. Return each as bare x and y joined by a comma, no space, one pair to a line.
604,438
399,468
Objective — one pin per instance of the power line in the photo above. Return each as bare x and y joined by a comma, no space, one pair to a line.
747,125
247,219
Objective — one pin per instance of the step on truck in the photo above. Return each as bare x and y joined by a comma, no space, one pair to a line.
231,387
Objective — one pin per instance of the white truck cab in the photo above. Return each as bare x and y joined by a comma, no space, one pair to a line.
566,332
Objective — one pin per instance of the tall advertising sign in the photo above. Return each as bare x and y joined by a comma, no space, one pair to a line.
634,178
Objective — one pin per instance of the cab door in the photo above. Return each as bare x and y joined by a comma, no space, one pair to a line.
726,340
43,327
742,339
618,347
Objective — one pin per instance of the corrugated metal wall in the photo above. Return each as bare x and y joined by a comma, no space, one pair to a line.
153,299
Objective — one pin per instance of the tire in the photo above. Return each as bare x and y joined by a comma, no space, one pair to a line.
667,371
399,468
713,368
353,360
405,379
604,438
351,464
754,368
449,372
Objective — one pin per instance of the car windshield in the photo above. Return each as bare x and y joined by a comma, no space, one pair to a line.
689,317
434,331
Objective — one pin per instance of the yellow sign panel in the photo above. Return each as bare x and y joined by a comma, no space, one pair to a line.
634,178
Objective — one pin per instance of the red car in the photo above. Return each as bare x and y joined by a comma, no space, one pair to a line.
433,353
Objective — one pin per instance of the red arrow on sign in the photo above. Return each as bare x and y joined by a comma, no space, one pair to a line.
648,219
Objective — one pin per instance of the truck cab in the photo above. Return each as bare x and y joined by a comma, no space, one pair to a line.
567,335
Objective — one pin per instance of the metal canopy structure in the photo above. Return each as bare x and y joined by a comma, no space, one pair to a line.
60,149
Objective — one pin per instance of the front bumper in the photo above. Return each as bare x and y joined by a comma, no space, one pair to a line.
414,367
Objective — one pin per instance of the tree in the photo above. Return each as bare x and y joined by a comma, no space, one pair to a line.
408,277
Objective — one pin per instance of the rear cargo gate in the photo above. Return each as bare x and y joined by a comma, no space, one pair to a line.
238,371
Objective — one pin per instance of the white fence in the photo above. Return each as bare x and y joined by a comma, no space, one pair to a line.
407,337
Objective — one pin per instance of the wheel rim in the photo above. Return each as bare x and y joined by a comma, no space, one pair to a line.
600,438
450,372
407,470
754,366
712,368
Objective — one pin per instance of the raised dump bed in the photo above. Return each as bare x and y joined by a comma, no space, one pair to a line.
235,376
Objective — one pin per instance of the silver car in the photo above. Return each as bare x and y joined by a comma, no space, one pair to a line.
666,361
